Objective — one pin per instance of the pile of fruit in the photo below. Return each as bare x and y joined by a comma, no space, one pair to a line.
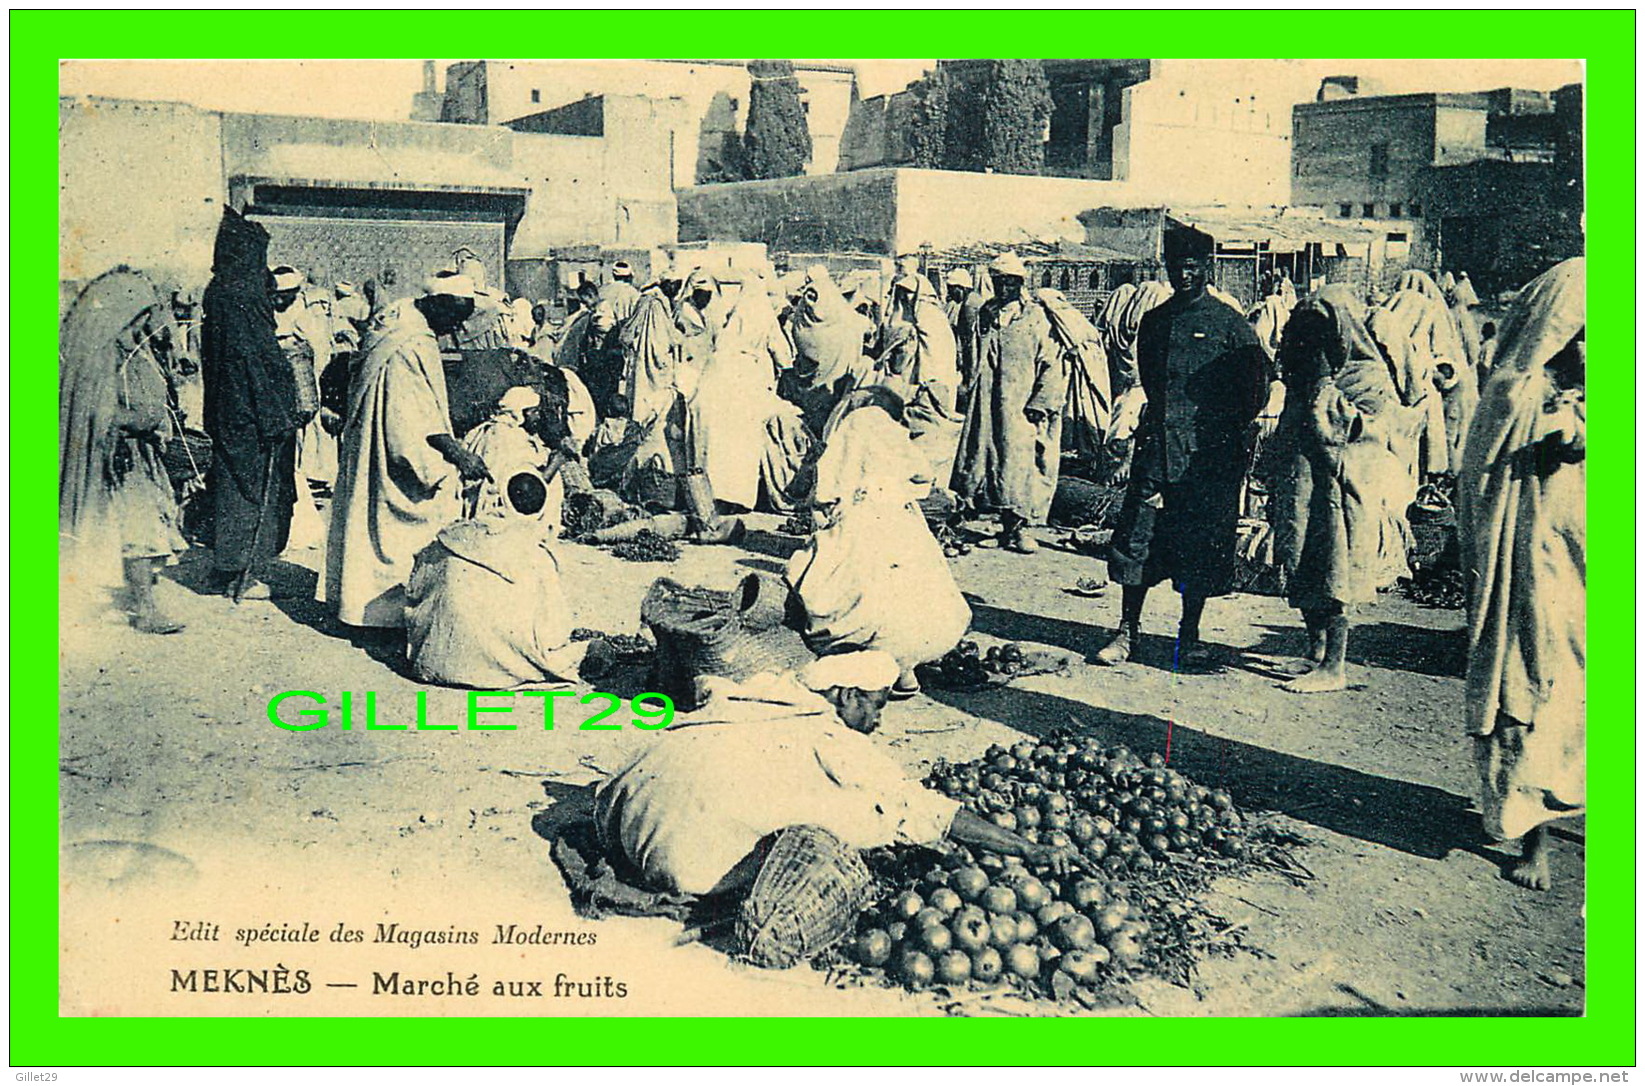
967,666
1443,588
1148,838
1122,812
963,924
647,546
629,648
799,522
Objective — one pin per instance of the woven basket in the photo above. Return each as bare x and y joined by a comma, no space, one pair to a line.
186,456
706,631
1080,502
807,897
1433,531
592,510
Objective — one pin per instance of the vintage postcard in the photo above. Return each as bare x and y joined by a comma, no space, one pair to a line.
670,537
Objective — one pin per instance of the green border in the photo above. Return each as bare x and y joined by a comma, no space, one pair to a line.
1605,1037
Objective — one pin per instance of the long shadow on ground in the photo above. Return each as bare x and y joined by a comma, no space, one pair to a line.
1391,646
1413,818
1081,638
294,589
1388,645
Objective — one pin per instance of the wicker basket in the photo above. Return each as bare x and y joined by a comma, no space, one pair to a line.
807,896
705,631
588,512
1433,531
1080,502
186,456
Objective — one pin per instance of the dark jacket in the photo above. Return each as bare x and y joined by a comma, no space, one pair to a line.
250,391
1206,378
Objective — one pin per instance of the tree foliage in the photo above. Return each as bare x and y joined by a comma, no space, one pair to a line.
963,138
1016,104
928,123
777,140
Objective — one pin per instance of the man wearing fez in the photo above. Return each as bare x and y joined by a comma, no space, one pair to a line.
398,477
1205,376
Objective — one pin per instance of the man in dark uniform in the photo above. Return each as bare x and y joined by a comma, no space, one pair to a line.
1206,378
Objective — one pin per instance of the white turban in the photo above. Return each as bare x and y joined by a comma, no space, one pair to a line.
287,278
1009,263
517,401
867,670
450,284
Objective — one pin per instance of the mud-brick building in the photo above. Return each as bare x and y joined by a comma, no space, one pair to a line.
144,183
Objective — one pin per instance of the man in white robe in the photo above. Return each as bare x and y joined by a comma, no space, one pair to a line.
872,576
399,471
303,330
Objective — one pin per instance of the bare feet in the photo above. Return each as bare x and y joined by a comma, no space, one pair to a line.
1318,680
1532,872
1296,667
1118,650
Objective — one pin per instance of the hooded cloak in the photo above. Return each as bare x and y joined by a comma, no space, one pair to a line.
251,395
1339,526
114,497
1522,525
874,577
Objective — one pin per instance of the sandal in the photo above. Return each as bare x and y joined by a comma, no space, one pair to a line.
1088,587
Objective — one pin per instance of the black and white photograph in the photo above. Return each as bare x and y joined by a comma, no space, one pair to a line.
773,537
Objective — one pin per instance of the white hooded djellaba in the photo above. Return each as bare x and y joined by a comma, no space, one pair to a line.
874,577
508,448
750,443
394,490
485,608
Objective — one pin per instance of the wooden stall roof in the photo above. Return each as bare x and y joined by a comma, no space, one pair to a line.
1069,252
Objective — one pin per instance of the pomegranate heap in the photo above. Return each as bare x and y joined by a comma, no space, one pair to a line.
1124,813
962,924
982,918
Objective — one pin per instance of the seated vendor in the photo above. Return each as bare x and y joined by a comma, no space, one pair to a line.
508,446
872,576
484,607
689,812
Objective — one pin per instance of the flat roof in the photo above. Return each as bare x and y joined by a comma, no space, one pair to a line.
1357,102
402,186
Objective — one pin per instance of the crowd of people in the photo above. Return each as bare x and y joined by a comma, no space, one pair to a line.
694,396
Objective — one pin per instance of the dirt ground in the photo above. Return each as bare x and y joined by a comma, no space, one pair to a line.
181,801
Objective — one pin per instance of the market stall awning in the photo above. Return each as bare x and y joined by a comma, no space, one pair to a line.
1036,251
1282,233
